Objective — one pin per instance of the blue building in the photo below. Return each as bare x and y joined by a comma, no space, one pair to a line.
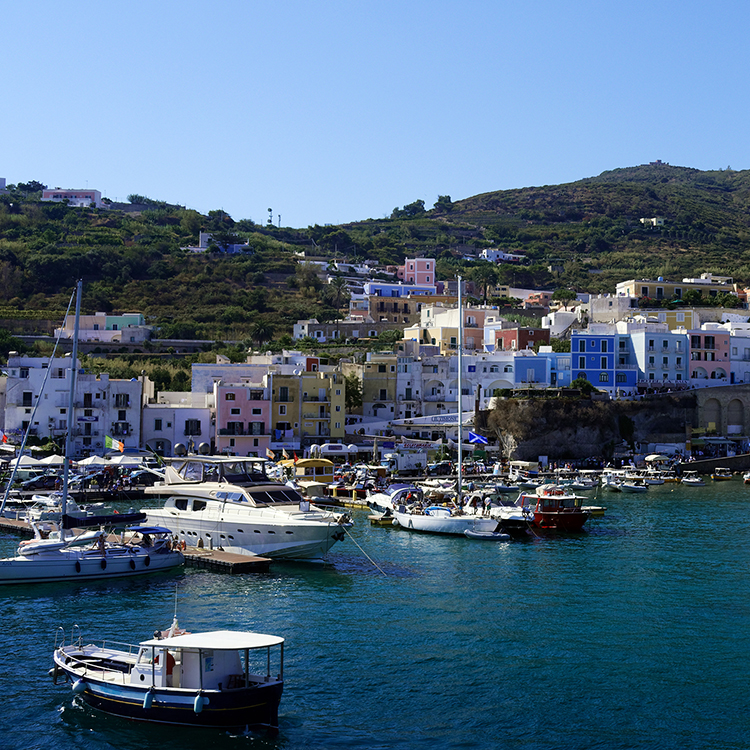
603,356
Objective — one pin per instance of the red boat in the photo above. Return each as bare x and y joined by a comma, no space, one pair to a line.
554,507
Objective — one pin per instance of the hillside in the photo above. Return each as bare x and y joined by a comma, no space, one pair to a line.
589,231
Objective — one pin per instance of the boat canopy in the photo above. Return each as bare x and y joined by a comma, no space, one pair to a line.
217,640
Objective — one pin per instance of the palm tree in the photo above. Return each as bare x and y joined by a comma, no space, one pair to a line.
261,331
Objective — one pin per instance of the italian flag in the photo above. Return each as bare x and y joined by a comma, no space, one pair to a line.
113,444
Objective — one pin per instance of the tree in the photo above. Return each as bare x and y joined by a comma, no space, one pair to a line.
564,295
352,393
261,331
583,385
444,203
485,275
336,292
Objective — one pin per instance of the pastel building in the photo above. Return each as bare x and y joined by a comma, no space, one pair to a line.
417,271
74,197
596,356
660,354
243,416
709,353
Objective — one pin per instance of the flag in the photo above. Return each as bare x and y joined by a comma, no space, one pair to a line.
295,457
4,437
113,444
284,453
477,439
270,454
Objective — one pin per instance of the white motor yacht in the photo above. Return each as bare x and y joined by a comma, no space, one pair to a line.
229,503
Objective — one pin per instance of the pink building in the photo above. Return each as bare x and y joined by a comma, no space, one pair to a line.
243,416
74,197
709,354
417,271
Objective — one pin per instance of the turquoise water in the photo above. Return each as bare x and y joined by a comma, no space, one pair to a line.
632,635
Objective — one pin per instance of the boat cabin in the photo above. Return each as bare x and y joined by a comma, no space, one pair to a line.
218,660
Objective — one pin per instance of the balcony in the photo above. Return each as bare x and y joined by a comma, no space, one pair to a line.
315,399
120,429
232,431
317,415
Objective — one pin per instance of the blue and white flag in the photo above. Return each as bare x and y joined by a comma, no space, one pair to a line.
477,439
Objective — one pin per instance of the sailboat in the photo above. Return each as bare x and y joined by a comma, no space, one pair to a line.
442,519
64,556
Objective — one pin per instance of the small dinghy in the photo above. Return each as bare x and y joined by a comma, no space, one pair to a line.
489,536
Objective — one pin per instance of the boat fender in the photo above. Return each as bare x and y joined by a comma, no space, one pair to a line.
103,564
132,564
200,701
54,673
79,686
147,561
78,566
148,699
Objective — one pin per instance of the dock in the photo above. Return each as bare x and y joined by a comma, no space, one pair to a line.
196,557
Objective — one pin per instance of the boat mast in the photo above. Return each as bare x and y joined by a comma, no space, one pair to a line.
71,404
460,394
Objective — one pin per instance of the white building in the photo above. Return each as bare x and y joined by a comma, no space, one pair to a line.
101,406
73,197
178,420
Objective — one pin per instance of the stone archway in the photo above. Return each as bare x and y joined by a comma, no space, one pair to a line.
736,417
712,415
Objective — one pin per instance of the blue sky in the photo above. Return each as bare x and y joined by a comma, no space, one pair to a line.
331,112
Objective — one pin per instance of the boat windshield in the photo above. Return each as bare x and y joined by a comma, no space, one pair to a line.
236,472
275,496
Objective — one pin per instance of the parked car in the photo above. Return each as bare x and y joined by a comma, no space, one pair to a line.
440,468
43,482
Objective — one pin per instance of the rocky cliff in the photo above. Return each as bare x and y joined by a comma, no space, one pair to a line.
563,428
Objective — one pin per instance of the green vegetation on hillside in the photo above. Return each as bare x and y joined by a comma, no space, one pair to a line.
582,236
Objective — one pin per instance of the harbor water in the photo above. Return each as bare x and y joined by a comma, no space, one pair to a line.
633,634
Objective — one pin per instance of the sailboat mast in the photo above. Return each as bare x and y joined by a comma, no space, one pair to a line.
71,405
460,394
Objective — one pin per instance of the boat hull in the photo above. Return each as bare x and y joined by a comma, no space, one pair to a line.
83,565
560,521
444,524
239,708
251,534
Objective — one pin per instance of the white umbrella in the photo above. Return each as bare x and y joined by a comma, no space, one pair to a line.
53,460
123,460
93,461
24,461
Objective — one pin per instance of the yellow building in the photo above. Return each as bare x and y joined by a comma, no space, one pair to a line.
307,408
708,285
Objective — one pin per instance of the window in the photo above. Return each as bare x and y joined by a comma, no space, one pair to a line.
235,411
581,362
383,394
695,342
192,427
621,377
604,346
157,425
229,396
282,409
709,342
27,397
381,368
122,400
581,346
603,377
24,372
603,363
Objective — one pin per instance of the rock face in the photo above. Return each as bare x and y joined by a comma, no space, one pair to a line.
563,428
